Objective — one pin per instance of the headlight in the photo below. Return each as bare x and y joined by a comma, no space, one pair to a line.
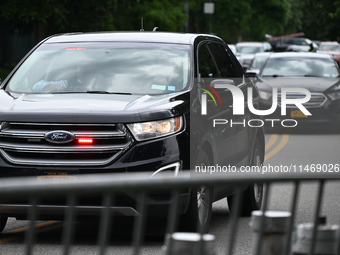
334,95
2,125
265,95
154,129
335,92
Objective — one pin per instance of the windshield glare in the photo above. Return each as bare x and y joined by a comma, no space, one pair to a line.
329,47
83,67
258,61
249,49
300,67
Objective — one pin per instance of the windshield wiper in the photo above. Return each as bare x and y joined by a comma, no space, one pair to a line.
312,75
274,75
107,92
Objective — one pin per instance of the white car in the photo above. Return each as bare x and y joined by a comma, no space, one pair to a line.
247,51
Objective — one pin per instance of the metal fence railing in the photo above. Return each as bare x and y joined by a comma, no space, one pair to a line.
274,232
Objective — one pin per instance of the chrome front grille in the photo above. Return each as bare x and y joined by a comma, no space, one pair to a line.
316,100
25,144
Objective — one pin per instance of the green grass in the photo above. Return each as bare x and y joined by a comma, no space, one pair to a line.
4,72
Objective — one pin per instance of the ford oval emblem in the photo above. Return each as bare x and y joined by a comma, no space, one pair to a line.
59,136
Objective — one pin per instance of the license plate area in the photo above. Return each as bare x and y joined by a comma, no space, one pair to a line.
298,114
47,175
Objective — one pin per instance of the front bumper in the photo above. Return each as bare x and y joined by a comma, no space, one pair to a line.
169,154
326,115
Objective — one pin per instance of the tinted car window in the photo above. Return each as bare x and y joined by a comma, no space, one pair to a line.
222,58
236,65
206,64
122,68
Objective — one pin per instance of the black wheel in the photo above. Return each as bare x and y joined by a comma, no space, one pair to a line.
198,215
253,195
3,221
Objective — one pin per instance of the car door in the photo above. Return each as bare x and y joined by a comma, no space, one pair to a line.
221,135
231,70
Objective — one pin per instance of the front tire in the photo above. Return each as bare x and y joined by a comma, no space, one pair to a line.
198,216
3,221
251,197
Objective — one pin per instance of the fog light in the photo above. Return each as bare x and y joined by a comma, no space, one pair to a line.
172,168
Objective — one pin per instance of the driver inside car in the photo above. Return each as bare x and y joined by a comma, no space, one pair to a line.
62,85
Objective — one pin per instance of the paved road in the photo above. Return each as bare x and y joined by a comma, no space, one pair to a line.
281,149
300,149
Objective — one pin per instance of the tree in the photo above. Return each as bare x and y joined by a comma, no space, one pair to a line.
321,19
250,19
55,16
232,20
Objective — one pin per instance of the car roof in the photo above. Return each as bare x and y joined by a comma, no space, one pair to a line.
299,54
156,37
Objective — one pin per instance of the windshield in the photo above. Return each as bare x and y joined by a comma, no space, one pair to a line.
300,67
249,49
329,47
132,68
258,61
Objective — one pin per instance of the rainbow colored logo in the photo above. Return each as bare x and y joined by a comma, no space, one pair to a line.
211,92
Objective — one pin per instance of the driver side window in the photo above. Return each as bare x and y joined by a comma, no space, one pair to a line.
206,64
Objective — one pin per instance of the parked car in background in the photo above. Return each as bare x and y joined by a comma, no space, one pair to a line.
258,61
294,44
247,51
232,47
332,48
316,72
93,103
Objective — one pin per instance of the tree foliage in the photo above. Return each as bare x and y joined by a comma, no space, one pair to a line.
321,19
232,20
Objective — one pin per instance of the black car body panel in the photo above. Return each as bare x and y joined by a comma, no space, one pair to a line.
29,120
125,108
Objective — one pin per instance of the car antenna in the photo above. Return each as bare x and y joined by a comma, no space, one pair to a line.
142,25
155,29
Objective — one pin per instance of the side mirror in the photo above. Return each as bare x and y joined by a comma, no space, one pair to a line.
215,83
253,73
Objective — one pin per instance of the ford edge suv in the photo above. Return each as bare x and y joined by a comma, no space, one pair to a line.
116,102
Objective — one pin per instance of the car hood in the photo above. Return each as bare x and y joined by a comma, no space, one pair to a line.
313,84
90,108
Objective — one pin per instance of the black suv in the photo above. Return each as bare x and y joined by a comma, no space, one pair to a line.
125,102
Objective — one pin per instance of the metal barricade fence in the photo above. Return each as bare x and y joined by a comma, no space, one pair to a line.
271,229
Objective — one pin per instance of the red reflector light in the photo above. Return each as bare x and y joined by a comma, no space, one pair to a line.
85,141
